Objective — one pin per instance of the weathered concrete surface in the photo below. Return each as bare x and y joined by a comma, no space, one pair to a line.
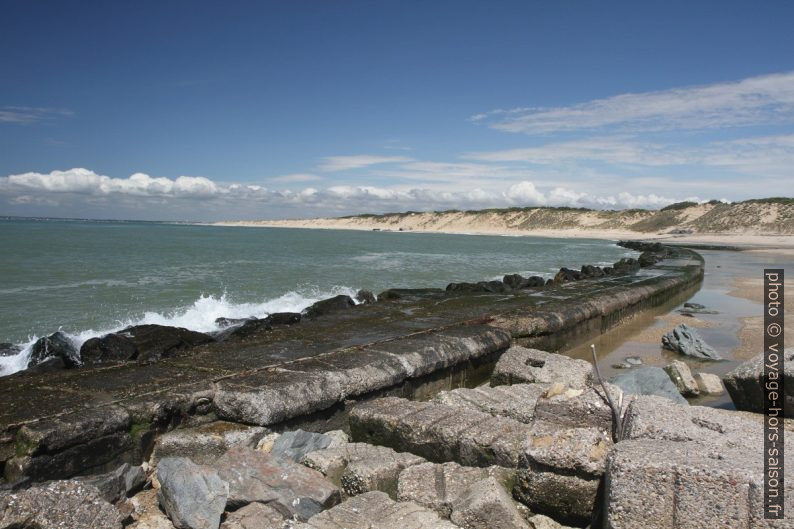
375,510
520,365
487,505
283,372
515,402
440,433
709,384
57,505
438,486
361,467
206,443
745,384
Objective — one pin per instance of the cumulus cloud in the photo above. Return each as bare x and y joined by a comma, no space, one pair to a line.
752,101
26,115
295,178
86,185
343,163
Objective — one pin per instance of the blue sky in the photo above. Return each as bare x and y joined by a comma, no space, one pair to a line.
218,110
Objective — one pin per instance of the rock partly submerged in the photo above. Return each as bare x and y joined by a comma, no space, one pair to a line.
686,340
648,381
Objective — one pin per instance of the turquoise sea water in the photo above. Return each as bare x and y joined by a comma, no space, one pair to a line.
89,277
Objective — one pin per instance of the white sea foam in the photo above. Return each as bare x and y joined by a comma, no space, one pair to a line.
200,316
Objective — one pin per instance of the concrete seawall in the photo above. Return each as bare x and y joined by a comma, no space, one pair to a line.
56,425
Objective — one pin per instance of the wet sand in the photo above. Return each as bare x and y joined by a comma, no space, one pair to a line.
732,286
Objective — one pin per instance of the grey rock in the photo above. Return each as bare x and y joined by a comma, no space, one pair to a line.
654,484
487,505
745,384
146,512
361,467
338,438
438,486
254,516
648,381
192,496
118,484
296,444
521,365
516,402
694,306
633,360
685,340
257,477
206,443
515,281
365,296
56,345
375,510
153,342
568,498
709,384
328,306
540,521
58,505
577,408
438,432
682,377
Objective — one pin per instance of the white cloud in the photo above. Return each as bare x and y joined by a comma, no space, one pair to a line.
343,163
752,101
30,114
295,178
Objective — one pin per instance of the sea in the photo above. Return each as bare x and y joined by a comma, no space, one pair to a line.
87,278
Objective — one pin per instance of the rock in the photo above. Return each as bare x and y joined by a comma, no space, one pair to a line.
58,505
515,281
329,306
626,265
487,505
647,259
520,365
193,496
648,381
539,521
622,365
206,443
284,318
108,348
56,345
146,512
578,408
118,484
361,467
653,484
682,377
492,287
566,274
438,432
365,296
153,342
294,445
254,516
9,349
248,327
516,402
745,384
257,477
685,340
697,306
589,271
438,486
228,322
633,360
411,293
338,438
375,510
709,384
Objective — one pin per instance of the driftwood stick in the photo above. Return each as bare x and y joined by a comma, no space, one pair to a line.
617,433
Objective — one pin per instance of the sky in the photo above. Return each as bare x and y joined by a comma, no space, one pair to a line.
199,110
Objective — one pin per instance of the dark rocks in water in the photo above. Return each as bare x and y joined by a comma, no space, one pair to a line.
589,271
365,296
109,348
493,287
248,328
696,306
144,343
330,305
193,496
284,318
400,293
549,282
566,275
228,322
633,360
626,265
685,340
55,345
463,287
648,381
622,365
641,246
647,259
9,349
608,271
536,281
515,281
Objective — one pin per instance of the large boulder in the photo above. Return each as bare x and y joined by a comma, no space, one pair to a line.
111,347
686,340
254,516
296,444
566,275
329,306
522,365
193,496
648,381
375,510
257,477
144,343
365,297
745,384
117,484
626,265
58,505
56,345
206,443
